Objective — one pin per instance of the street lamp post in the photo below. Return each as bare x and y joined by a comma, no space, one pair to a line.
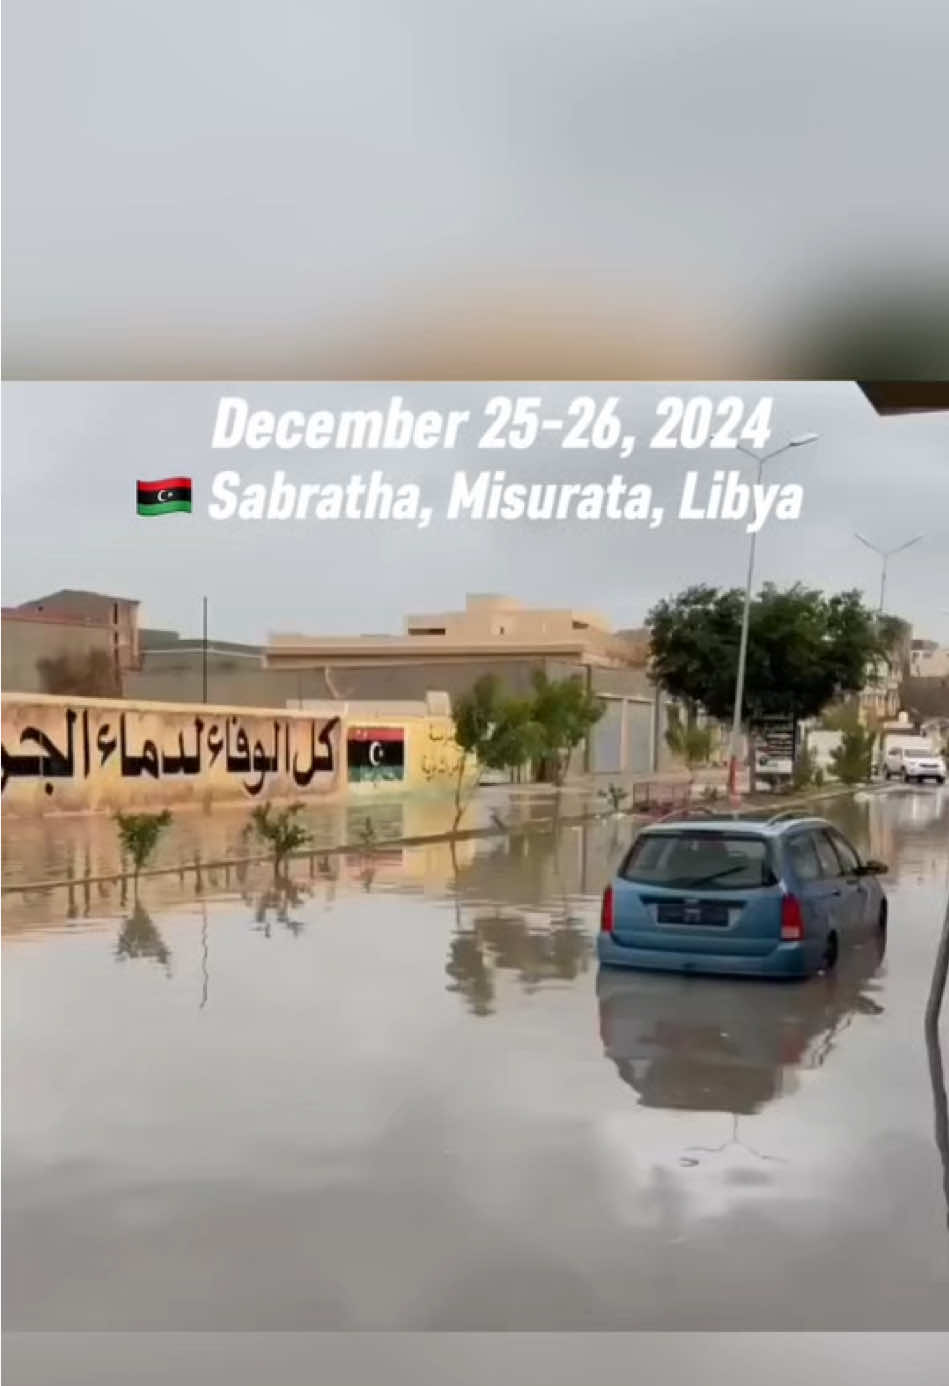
799,442
885,555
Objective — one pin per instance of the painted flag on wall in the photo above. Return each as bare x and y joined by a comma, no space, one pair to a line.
163,497
375,753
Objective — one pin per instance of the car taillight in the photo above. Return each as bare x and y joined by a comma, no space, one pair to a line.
792,920
606,911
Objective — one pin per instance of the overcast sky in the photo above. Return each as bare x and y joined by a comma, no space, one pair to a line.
72,453
302,188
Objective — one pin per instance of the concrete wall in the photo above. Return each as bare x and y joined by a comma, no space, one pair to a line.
26,642
99,755
235,678
174,675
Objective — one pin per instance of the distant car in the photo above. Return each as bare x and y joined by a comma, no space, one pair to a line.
771,769
739,896
912,762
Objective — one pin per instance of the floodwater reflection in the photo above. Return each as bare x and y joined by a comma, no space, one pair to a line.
275,904
505,941
713,1044
139,938
483,1131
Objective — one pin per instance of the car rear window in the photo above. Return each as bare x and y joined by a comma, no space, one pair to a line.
699,860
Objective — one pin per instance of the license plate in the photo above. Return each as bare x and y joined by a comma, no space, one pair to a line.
707,913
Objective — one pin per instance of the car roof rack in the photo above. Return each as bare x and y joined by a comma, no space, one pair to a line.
685,814
790,813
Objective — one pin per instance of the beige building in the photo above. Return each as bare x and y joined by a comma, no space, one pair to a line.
880,696
71,623
494,628
928,660
497,635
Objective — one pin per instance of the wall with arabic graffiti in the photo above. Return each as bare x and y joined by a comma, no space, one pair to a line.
73,755
89,754
416,752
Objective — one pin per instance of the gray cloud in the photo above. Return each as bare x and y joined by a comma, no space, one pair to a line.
299,189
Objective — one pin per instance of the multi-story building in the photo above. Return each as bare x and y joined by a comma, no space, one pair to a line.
71,624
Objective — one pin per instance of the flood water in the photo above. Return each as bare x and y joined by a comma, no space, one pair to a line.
401,1096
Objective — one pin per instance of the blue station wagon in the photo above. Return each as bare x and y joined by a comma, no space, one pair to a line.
775,898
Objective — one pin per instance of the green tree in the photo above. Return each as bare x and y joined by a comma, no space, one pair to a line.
562,712
279,829
494,732
805,648
851,761
138,837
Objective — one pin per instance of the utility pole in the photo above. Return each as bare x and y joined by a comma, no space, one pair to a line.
204,652
799,442
885,555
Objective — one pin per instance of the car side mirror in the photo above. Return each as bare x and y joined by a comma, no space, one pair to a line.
874,868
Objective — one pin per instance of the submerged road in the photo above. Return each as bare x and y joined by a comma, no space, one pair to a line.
403,1098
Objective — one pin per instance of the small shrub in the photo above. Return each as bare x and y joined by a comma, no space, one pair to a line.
139,834
616,795
279,829
805,768
851,760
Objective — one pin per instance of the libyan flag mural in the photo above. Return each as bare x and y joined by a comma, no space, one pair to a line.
163,497
375,753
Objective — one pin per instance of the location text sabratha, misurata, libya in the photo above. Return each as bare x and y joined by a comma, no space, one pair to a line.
490,495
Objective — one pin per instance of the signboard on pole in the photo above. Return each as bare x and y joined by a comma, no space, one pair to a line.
775,742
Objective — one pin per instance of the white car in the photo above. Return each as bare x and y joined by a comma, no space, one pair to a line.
910,763
772,769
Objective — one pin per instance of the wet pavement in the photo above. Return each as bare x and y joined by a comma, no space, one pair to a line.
401,1096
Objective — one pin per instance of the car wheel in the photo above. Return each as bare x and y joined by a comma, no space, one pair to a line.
831,950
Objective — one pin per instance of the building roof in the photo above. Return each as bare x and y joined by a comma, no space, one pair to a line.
282,649
51,618
489,626
76,592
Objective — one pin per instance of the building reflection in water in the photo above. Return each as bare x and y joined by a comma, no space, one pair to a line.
712,1044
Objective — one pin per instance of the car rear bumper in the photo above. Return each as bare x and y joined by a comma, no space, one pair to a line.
784,960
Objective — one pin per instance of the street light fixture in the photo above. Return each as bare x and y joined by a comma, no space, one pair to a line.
799,442
886,555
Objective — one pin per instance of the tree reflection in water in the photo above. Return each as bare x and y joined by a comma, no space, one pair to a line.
280,897
558,951
139,938
495,937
